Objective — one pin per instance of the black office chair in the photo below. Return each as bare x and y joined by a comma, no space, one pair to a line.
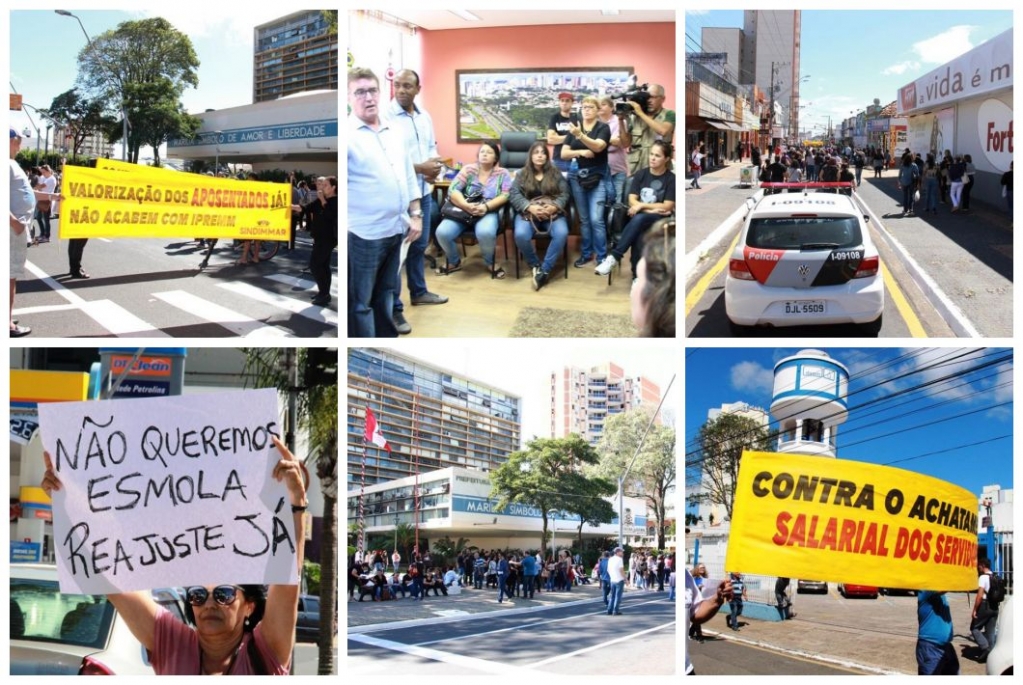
515,149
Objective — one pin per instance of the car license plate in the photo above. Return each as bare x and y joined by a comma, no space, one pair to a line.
810,307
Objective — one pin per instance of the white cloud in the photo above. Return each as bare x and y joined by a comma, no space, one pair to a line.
752,377
901,68
945,46
221,21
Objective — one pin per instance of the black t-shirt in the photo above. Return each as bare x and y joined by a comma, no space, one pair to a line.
776,172
600,131
559,125
650,188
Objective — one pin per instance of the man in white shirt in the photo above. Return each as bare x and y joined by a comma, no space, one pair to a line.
616,571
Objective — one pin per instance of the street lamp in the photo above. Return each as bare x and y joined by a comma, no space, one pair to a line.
216,172
124,112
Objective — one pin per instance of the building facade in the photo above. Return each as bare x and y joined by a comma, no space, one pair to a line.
293,54
432,418
583,399
771,42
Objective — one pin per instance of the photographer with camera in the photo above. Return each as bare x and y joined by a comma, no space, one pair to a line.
650,121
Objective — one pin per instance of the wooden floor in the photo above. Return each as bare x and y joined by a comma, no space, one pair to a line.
479,306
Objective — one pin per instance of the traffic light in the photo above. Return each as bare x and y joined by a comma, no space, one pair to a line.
320,367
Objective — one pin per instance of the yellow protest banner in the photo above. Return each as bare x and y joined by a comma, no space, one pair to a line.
851,522
156,203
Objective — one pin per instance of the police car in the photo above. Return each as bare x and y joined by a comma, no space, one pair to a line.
804,258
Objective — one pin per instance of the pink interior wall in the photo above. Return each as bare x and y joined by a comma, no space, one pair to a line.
648,48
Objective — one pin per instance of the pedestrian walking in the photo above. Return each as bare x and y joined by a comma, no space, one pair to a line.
782,598
616,573
1007,189
503,569
968,177
696,165
324,232
985,610
605,579
736,600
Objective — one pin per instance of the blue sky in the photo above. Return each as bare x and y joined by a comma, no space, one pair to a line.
853,57
715,376
45,46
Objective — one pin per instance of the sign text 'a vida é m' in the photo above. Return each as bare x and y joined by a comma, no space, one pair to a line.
851,522
168,492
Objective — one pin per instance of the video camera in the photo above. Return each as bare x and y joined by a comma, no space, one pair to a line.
638,94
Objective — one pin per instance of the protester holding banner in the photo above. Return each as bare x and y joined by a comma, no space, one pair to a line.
700,609
237,632
935,654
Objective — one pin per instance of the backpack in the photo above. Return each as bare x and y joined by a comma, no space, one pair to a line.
996,591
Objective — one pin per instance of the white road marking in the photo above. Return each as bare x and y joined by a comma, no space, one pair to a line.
239,324
624,638
44,309
443,657
309,311
306,284
111,316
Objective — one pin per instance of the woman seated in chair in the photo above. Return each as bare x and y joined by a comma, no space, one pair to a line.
539,197
491,184
651,197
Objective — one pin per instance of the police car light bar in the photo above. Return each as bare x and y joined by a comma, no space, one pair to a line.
814,184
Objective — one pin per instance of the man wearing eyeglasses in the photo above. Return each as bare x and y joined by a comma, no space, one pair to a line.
383,210
647,126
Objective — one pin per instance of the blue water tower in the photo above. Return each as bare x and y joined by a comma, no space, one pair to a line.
809,402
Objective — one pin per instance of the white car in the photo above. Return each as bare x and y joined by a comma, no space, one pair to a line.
804,258
60,634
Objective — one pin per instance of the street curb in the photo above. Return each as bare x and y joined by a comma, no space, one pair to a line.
941,302
807,655
716,236
439,620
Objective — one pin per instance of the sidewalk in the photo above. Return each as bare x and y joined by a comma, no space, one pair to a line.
366,614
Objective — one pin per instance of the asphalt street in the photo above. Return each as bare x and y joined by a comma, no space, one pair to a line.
476,635
947,274
154,288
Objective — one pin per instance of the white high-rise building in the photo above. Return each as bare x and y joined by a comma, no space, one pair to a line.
809,402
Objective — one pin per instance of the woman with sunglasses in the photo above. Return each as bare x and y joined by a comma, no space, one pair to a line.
237,631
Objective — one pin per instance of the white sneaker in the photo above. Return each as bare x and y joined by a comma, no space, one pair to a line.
604,268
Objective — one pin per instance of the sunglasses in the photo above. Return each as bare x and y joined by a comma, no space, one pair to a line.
224,595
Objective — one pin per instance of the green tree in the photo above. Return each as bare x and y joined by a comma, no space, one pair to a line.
331,17
162,116
406,540
123,64
590,506
722,441
652,476
317,415
544,475
78,116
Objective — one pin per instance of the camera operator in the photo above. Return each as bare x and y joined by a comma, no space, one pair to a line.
656,123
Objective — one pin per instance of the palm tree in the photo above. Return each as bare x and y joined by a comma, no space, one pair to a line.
317,416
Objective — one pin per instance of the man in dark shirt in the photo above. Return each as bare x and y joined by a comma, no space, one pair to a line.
557,128
324,233
776,173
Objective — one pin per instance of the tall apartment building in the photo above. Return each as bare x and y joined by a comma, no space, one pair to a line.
432,418
771,38
293,54
583,399
94,145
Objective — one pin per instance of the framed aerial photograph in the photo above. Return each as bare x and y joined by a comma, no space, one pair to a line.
491,101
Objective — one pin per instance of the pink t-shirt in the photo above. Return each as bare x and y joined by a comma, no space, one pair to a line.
176,650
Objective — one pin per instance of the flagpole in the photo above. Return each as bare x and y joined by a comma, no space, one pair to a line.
362,496
415,453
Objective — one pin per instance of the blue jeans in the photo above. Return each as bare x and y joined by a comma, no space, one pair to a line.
501,590
43,217
614,604
935,659
415,267
736,611
615,186
524,240
561,164
605,588
907,197
590,205
632,237
417,587
372,282
859,174
486,234
811,172
932,193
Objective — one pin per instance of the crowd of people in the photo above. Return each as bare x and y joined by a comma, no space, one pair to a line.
512,573
596,159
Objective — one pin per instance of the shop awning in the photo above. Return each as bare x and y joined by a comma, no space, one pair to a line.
724,125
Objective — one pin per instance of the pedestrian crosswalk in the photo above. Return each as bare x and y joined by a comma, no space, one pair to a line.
280,308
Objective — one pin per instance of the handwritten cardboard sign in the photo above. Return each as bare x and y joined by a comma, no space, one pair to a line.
168,491
851,522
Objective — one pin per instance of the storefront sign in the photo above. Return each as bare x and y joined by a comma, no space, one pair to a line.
299,130
994,130
985,69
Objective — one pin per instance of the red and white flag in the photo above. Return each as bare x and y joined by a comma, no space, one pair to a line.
373,432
